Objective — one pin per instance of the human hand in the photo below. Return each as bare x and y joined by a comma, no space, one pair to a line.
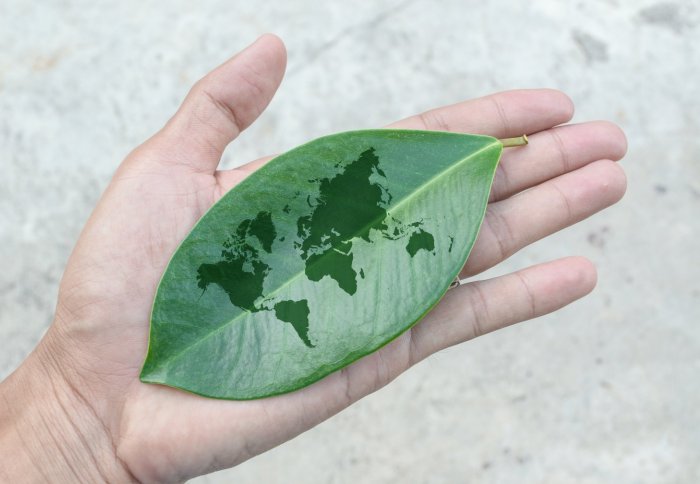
76,407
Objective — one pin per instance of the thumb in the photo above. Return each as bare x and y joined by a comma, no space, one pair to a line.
221,105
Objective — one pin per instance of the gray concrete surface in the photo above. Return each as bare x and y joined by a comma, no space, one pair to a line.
604,391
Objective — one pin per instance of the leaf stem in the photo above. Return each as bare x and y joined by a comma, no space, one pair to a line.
510,142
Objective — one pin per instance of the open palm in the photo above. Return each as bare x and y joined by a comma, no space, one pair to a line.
99,339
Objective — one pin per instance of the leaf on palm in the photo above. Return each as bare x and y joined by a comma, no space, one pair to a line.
322,256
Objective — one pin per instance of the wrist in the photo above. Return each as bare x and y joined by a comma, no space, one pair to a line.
48,432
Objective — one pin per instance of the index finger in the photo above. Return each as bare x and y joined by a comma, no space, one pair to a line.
501,115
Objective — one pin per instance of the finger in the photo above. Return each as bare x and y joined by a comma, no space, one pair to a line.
221,105
485,306
505,114
554,152
518,221
509,113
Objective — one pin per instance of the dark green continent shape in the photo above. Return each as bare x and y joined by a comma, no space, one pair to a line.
344,205
420,240
296,313
243,287
241,273
263,229
336,265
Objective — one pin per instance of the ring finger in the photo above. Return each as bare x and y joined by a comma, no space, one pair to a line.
518,221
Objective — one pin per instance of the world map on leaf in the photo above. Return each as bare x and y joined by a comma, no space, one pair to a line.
350,206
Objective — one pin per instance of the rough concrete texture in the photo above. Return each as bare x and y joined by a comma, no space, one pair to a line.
604,391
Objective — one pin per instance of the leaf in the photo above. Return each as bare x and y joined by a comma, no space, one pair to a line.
322,256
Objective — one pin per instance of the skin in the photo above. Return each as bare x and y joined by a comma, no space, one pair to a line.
75,409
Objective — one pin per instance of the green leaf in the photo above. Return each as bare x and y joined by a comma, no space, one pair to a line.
322,256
